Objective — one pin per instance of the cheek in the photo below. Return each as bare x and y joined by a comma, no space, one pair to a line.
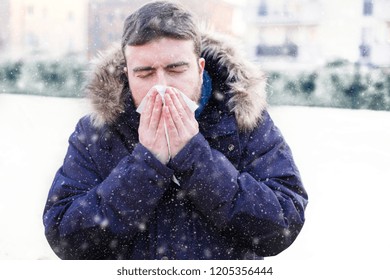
195,78
138,91
192,87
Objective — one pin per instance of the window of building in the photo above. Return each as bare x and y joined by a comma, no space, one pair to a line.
70,16
368,7
30,10
367,38
263,8
364,50
287,49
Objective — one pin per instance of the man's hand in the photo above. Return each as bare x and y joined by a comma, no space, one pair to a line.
151,129
180,121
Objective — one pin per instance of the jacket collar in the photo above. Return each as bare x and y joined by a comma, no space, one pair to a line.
236,82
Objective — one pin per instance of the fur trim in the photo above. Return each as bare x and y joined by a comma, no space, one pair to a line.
246,83
105,86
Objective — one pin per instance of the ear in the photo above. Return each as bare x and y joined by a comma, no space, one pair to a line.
125,69
202,64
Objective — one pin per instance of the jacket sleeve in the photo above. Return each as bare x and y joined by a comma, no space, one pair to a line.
87,217
261,203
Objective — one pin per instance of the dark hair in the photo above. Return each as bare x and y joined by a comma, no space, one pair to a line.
157,20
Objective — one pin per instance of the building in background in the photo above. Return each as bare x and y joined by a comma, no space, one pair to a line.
47,28
81,27
313,32
278,33
105,22
4,23
375,32
106,17
284,31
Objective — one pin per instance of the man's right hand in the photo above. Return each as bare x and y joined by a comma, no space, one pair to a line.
151,129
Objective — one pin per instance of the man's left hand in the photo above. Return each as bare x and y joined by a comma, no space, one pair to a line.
180,121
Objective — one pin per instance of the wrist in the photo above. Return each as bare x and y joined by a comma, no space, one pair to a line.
189,154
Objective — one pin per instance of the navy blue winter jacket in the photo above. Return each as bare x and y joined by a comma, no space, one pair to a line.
240,194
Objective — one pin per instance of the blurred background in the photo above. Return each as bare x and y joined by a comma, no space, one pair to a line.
330,59
315,52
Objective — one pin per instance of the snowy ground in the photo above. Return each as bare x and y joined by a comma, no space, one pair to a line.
343,155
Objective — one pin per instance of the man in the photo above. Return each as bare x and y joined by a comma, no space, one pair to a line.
169,183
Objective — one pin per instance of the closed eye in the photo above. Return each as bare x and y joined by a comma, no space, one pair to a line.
177,67
144,74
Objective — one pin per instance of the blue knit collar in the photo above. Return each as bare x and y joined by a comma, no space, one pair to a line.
206,94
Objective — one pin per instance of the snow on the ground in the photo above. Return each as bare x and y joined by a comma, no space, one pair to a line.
33,141
343,156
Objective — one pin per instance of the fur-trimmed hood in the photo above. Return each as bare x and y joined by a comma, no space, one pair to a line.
244,82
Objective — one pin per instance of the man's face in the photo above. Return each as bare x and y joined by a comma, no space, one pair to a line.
167,62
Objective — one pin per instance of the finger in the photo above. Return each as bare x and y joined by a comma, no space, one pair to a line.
172,130
187,116
172,93
190,124
146,113
160,134
187,109
156,113
174,114
162,151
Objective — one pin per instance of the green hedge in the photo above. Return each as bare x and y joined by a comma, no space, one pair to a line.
338,84
63,78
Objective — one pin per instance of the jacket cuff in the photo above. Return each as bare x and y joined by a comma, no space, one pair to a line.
140,152
186,158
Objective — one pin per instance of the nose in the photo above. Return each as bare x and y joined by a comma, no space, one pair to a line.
161,78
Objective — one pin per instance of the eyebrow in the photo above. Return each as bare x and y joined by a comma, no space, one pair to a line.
143,68
150,68
177,64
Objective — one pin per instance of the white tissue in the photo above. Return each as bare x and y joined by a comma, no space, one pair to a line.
161,90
